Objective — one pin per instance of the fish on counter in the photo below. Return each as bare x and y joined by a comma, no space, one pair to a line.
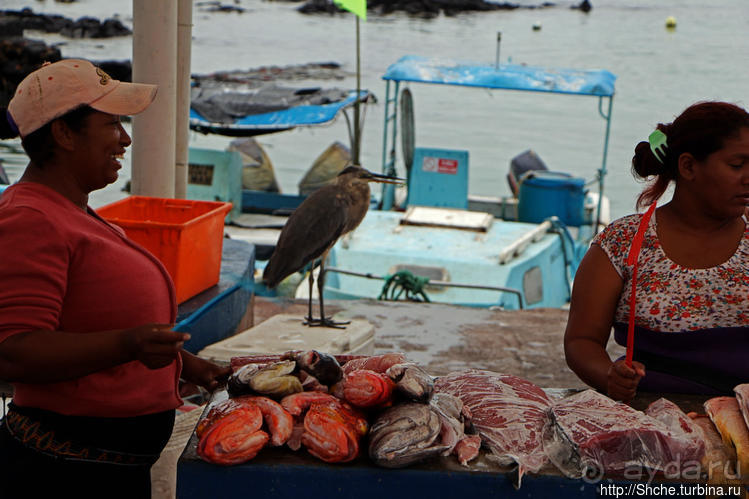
322,366
720,461
376,363
677,421
725,414
329,428
742,396
411,381
232,430
453,417
365,389
270,358
333,431
589,433
405,434
508,412
297,404
274,380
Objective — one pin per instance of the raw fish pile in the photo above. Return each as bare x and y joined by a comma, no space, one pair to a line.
338,408
328,405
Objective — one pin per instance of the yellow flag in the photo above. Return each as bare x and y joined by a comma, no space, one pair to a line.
358,7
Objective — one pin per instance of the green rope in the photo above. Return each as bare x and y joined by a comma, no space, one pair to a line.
404,281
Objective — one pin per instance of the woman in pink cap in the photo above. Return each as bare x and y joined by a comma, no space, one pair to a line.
86,315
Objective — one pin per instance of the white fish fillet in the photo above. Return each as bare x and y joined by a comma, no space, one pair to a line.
726,415
742,395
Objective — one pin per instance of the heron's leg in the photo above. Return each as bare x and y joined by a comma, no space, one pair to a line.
325,321
309,319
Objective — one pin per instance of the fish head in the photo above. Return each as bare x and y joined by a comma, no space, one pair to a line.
239,382
411,381
324,367
405,434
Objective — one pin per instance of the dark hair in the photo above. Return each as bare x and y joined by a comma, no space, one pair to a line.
39,144
7,131
700,130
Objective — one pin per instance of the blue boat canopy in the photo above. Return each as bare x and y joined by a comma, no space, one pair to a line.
257,124
598,82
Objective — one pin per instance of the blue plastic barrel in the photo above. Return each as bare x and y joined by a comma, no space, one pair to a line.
545,193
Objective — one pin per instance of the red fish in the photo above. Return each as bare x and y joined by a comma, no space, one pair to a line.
332,431
296,404
277,419
231,432
234,438
364,388
376,363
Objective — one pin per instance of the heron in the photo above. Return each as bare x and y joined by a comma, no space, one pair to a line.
314,227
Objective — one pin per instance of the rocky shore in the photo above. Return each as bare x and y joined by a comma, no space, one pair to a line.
19,55
15,21
426,8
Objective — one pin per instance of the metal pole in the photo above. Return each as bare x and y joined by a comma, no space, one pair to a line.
184,45
357,132
602,171
499,39
155,61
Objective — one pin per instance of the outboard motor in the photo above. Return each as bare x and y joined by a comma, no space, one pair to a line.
520,165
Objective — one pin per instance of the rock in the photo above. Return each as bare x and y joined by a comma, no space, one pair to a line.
426,8
584,6
215,6
118,70
10,28
85,27
18,57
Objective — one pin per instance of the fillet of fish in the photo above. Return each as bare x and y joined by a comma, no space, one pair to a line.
742,395
720,461
508,413
726,415
589,434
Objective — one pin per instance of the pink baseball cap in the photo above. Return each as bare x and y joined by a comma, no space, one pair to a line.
57,88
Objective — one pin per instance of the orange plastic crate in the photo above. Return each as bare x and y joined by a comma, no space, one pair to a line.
186,236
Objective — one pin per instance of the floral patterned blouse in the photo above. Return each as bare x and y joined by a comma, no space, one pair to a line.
672,298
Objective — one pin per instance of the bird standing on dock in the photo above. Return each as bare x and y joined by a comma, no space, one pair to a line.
316,225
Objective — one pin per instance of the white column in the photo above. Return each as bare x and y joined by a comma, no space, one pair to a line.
154,130
184,43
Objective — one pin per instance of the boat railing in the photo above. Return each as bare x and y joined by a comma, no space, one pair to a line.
519,245
369,275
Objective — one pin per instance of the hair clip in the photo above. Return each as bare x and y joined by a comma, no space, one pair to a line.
658,145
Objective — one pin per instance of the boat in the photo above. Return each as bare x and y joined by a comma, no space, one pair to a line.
274,121
259,208
512,252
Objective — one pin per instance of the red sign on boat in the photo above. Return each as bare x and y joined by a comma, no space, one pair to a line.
440,165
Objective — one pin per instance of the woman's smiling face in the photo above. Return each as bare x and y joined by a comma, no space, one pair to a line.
98,147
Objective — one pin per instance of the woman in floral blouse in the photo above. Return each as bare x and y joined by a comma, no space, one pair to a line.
691,312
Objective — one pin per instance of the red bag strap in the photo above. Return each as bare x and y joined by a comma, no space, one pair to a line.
632,259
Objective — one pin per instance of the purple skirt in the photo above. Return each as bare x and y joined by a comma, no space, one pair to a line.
705,361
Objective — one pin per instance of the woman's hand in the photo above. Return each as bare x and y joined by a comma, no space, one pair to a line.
154,345
623,380
202,372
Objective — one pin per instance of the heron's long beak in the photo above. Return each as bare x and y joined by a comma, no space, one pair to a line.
386,179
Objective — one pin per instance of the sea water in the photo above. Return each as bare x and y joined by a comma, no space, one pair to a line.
659,72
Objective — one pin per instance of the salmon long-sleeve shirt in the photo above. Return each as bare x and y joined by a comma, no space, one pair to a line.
63,269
